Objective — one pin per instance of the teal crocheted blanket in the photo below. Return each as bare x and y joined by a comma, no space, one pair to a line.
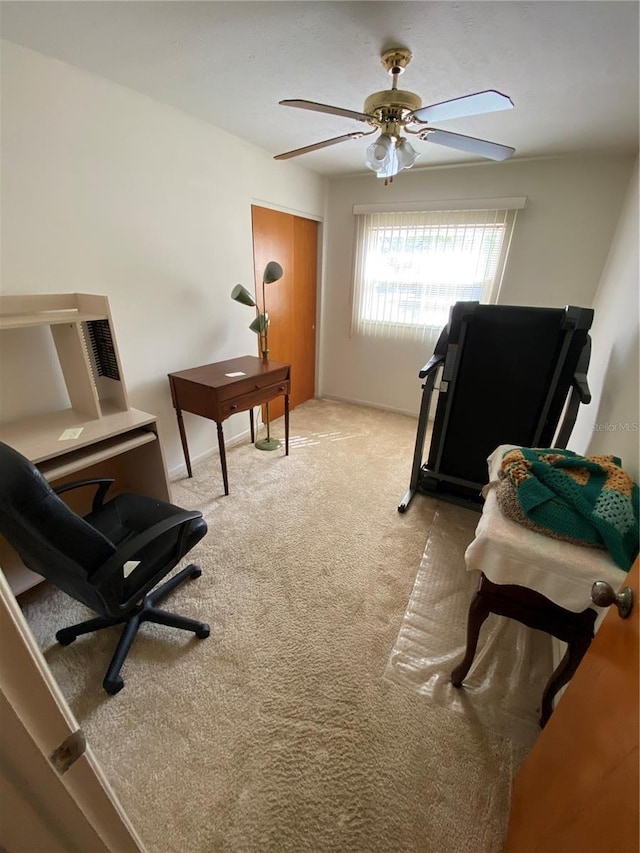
587,499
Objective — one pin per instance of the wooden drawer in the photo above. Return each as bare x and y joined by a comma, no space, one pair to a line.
242,387
254,398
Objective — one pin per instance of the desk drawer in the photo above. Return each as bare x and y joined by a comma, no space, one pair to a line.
253,398
261,382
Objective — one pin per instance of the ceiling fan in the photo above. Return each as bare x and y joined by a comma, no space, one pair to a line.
395,111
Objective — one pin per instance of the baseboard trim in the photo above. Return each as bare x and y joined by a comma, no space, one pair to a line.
368,404
180,471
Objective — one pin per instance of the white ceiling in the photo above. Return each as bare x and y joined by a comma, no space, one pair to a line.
571,68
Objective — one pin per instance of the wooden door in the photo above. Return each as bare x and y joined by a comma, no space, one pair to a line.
45,809
578,788
292,241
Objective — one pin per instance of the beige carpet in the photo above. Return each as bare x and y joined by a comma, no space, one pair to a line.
280,732
512,664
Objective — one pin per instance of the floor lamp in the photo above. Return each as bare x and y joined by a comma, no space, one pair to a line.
260,325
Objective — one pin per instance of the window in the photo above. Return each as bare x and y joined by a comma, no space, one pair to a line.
410,267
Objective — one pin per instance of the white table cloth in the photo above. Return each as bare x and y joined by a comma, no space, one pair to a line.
509,553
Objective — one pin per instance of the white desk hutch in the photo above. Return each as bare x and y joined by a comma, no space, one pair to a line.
99,434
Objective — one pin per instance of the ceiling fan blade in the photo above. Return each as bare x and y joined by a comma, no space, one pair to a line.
326,108
469,105
491,150
358,134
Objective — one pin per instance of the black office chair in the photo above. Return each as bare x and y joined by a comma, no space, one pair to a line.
108,560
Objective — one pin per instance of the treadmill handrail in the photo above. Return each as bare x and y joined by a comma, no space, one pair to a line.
582,387
434,362
579,380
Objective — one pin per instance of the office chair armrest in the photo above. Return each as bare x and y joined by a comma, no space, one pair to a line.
102,483
133,546
582,387
434,362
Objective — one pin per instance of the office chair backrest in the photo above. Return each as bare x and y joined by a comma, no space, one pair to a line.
49,537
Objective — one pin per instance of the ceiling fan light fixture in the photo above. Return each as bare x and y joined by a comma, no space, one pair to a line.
379,152
391,167
406,154
394,111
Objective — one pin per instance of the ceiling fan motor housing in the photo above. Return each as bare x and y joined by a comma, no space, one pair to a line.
391,105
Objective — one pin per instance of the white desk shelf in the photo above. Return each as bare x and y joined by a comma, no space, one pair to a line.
114,441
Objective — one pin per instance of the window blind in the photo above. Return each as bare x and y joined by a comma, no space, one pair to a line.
411,266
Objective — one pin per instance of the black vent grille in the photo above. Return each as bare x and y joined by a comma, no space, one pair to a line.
103,350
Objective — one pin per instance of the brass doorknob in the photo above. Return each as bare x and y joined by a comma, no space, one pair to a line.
604,595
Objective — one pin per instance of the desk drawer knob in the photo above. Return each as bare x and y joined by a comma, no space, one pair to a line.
281,388
257,387
232,407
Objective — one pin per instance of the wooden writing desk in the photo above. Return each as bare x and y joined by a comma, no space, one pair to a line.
218,390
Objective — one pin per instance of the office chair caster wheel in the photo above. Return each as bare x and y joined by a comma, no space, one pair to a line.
196,571
64,638
203,633
113,685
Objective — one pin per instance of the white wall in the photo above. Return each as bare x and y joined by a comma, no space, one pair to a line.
107,191
558,251
610,423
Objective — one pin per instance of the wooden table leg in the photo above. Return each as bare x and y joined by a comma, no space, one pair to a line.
253,435
286,424
223,458
576,650
534,610
183,439
478,611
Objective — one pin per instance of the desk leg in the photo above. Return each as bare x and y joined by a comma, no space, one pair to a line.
183,439
223,458
286,424
253,435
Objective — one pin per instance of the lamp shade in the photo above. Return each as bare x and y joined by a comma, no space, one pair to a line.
259,324
241,294
272,272
378,152
406,154
390,167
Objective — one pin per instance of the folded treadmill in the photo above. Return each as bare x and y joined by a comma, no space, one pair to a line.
507,375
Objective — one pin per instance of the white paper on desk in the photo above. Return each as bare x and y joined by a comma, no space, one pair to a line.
237,373
71,433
